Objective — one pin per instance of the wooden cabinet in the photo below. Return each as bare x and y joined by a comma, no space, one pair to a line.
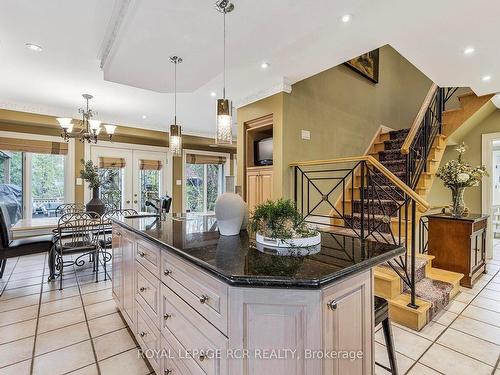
259,185
128,269
459,244
209,327
117,260
348,324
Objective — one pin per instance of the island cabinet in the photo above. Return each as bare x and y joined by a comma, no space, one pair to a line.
187,321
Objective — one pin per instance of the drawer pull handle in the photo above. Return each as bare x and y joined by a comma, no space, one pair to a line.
332,305
168,372
142,289
167,272
142,254
203,299
202,357
142,334
166,316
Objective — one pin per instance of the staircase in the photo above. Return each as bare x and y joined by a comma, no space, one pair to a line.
380,196
433,287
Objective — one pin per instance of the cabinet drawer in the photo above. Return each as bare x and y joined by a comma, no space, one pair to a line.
148,337
173,364
203,292
148,255
148,293
479,225
192,333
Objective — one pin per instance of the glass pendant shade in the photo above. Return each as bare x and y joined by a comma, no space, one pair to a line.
224,134
110,129
94,124
175,140
65,122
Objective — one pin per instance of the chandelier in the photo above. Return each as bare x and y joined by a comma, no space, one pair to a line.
224,133
90,128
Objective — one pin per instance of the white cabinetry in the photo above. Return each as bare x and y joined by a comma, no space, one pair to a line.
172,305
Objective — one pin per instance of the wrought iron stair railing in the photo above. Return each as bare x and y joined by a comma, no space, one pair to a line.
424,131
360,197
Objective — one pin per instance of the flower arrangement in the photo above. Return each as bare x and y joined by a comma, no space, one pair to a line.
458,175
90,174
280,220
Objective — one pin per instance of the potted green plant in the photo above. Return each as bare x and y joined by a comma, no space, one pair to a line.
458,175
280,224
90,174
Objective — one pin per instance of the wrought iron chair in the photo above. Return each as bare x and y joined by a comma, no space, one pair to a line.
382,316
69,208
77,233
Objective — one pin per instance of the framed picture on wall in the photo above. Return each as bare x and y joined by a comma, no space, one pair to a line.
367,65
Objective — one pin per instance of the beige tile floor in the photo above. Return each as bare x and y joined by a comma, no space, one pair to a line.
79,331
74,331
463,339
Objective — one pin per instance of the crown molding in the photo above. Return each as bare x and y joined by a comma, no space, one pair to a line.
282,86
112,34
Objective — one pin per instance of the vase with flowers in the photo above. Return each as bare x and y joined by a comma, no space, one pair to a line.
457,175
90,174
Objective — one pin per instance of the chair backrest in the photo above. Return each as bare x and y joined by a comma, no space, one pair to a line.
119,211
79,230
5,226
69,208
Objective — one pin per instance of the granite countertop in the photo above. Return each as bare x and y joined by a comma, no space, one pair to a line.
468,217
237,261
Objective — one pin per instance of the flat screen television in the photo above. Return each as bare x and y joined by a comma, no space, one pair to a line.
264,151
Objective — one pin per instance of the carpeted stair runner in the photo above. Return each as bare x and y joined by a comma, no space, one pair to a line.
382,206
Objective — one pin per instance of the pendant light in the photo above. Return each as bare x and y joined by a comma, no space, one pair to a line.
224,133
175,136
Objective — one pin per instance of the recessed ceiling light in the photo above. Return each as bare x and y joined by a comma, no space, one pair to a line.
486,78
144,117
346,18
264,65
469,51
33,47
213,93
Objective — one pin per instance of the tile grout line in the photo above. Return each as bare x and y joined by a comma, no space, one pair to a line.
10,275
448,326
37,317
88,326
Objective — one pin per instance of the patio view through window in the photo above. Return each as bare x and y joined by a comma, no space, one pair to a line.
203,185
45,190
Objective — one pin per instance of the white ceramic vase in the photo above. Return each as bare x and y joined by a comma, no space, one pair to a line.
230,211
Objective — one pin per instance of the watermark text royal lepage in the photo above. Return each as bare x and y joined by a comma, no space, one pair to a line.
260,354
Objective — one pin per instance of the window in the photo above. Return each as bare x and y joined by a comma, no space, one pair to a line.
204,181
47,183
34,175
11,183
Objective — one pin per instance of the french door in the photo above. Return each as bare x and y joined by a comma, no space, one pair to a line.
131,176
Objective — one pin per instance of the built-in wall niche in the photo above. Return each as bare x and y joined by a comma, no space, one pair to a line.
259,142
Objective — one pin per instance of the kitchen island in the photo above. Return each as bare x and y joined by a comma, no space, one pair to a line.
201,303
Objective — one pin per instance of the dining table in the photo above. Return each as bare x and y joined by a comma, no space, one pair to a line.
41,226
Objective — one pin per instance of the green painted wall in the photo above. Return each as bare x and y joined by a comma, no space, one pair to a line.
439,194
343,110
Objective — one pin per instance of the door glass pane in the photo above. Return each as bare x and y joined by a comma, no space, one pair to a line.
11,183
195,187
112,187
47,183
150,187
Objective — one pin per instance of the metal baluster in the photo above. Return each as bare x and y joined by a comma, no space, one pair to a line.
362,198
412,303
